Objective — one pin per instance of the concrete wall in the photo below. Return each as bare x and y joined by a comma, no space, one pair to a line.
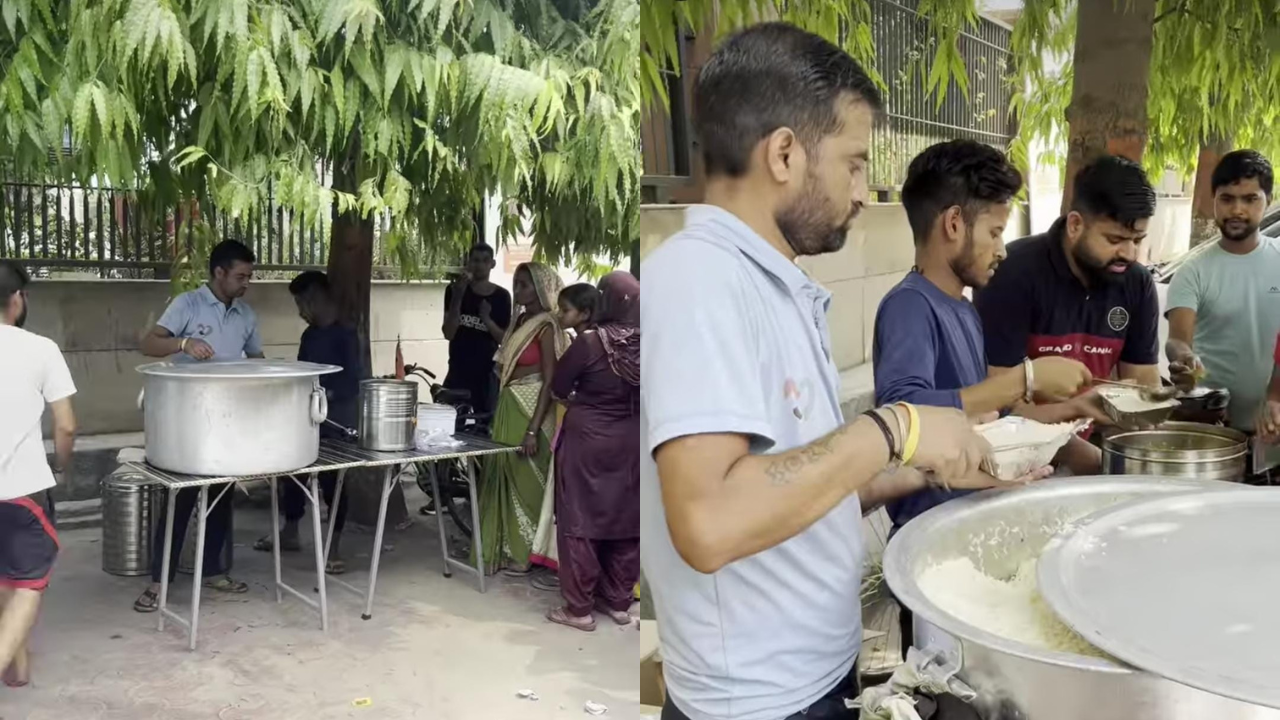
98,324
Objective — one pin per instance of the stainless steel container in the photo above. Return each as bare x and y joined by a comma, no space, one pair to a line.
132,507
1189,450
388,414
1001,528
230,419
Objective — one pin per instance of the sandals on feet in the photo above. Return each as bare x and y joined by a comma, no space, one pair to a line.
561,616
619,617
147,602
227,585
335,567
546,581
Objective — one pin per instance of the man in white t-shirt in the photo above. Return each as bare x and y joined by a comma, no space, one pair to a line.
32,374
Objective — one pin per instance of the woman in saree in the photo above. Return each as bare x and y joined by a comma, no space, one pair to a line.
597,462
514,483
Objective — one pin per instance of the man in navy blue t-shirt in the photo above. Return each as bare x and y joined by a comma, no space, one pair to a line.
326,341
928,347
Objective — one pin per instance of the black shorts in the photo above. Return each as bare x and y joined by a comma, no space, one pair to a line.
28,544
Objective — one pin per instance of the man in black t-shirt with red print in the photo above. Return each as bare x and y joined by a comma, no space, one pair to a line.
1079,292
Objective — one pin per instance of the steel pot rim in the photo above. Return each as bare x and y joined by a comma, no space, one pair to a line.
902,582
237,370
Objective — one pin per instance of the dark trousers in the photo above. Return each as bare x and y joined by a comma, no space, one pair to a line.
483,387
215,537
591,571
293,501
829,707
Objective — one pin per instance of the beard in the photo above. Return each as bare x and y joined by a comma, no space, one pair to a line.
1097,270
808,226
1237,231
966,266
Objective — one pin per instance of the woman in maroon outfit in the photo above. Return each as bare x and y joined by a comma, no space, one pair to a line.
598,461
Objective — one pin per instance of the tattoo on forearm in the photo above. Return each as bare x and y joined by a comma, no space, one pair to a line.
783,469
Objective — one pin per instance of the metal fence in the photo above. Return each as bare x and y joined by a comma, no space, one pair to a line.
110,232
905,48
904,51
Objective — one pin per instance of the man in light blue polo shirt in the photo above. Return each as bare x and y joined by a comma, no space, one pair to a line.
212,323
751,483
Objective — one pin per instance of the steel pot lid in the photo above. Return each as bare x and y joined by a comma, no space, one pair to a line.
239,369
1181,586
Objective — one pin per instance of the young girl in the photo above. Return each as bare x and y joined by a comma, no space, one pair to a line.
577,306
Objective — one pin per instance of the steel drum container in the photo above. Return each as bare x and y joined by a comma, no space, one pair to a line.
132,506
1178,449
1002,528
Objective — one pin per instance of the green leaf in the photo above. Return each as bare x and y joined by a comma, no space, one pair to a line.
337,84
395,60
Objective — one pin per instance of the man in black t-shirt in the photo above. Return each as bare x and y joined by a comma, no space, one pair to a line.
477,313
1078,291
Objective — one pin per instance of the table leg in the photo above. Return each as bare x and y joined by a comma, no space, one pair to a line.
475,520
318,536
168,554
198,575
275,534
333,512
377,540
440,516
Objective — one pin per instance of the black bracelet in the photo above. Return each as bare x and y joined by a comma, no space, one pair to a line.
894,455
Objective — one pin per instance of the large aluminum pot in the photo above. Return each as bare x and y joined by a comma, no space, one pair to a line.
1178,449
1002,528
233,418
388,415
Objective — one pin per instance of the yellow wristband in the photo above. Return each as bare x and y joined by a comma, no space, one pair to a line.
913,433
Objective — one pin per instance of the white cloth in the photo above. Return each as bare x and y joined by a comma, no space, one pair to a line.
33,374
736,341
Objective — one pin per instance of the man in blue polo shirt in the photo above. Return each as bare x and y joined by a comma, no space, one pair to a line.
928,346
211,323
1079,292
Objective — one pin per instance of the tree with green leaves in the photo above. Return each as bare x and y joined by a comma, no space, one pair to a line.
421,108
1156,80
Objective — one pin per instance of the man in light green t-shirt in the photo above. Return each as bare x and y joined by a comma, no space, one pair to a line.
1224,306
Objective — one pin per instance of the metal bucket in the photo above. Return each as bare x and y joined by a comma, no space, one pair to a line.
1015,681
132,507
388,415
1178,449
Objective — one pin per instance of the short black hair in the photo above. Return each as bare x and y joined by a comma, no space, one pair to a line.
583,296
1114,187
966,173
770,76
1240,165
13,279
229,252
481,248
309,281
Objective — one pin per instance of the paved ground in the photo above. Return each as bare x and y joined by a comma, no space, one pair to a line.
435,648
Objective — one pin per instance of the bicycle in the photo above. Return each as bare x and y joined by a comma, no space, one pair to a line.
452,475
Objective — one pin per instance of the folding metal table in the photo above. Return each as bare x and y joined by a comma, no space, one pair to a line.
327,461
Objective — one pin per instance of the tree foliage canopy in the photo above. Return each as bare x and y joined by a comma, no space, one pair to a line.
1215,65
425,106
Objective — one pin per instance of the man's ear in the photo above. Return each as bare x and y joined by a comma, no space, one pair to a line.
952,222
1075,224
784,155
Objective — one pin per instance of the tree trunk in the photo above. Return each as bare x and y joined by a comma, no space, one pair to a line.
1112,65
351,255
1203,226
635,259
